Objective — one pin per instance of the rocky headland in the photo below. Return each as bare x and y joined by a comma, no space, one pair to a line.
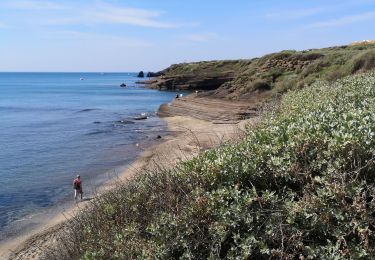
231,90
268,76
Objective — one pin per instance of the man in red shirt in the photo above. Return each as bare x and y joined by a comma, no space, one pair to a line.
77,185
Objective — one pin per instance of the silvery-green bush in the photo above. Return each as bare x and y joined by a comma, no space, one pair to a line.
300,185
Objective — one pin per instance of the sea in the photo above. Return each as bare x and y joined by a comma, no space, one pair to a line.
54,126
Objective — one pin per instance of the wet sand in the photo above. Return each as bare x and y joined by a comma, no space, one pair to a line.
189,135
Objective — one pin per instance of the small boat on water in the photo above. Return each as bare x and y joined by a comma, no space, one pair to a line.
81,78
142,116
123,85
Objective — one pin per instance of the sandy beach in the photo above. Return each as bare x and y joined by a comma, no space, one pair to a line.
189,135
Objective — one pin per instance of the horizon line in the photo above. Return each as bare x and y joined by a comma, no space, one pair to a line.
74,71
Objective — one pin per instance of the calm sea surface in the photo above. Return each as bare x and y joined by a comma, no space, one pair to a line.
54,126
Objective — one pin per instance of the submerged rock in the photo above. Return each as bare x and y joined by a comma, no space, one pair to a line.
125,122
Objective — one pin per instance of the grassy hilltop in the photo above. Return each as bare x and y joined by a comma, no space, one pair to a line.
300,185
270,74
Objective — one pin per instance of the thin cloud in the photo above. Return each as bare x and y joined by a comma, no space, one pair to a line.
346,20
199,37
132,16
295,14
33,5
108,14
96,13
125,41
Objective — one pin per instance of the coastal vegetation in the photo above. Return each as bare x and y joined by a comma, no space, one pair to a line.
300,185
269,75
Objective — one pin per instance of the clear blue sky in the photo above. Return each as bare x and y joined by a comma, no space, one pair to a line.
133,35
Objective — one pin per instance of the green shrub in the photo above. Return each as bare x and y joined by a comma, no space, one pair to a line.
364,62
260,85
287,84
315,67
335,75
281,55
306,56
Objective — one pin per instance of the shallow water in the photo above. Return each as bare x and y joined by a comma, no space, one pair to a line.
54,126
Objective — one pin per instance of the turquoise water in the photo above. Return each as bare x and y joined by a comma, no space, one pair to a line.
54,126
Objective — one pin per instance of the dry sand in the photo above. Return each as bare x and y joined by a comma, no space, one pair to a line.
189,136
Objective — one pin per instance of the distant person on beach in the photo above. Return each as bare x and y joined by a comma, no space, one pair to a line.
77,185
177,96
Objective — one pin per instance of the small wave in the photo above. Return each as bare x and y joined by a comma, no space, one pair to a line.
28,217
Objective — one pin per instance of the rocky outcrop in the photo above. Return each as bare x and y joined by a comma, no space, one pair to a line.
154,74
233,79
192,82
141,74
147,81
217,111
288,65
267,76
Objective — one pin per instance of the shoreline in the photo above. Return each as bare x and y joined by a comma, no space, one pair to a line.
186,136
25,228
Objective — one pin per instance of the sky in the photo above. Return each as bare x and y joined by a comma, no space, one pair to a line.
149,35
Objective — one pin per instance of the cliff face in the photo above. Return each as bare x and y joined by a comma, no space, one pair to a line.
208,75
266,76
191,82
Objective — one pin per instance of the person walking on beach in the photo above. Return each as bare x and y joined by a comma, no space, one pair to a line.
77,185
